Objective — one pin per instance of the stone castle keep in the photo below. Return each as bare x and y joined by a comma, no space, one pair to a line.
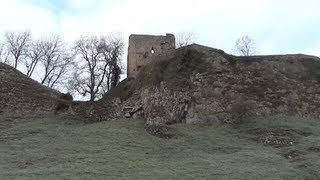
142,49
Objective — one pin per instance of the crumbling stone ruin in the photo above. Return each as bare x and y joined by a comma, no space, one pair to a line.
143,48
192,84
199,84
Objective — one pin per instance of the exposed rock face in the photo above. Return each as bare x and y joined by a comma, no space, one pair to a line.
205,85
20,95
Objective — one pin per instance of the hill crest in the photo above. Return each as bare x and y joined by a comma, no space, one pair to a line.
199,84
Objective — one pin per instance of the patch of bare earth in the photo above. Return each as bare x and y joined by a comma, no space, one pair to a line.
277,137
159,131
315,149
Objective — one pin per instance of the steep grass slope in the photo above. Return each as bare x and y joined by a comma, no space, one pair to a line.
66,148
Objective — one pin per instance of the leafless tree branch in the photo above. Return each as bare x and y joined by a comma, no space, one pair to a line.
184,38
245,46
98,65
34,55
17,44
4,54
55,60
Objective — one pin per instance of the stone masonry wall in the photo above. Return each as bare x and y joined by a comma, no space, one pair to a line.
142,47
205,85
20,95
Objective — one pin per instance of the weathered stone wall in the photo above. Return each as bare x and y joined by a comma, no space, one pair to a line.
20,95
143,47
205,85
232,86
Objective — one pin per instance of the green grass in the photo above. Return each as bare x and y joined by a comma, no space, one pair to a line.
66,148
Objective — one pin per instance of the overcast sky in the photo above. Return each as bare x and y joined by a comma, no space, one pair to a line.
277,26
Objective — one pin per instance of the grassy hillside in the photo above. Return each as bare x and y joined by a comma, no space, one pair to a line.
64,147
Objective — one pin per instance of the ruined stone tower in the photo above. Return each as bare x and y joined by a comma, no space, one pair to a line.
142,49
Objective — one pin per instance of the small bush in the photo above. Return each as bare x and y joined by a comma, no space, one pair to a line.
127,91
236,108
159,131
67,97
239,110
64,103
62,107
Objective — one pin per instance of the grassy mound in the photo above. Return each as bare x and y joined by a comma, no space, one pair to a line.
63,147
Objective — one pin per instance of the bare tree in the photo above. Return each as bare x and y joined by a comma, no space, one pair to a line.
98,65
115,51
245,46
34,55
184,38
17,44
47,54
54,59
4,54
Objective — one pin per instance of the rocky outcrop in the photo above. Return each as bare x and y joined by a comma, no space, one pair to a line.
204,85
20,95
